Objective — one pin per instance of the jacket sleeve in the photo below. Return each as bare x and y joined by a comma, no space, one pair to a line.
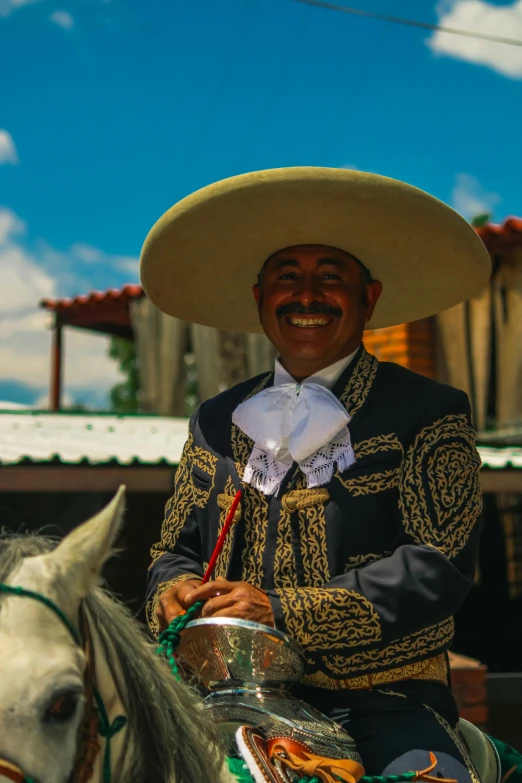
426,578
177,555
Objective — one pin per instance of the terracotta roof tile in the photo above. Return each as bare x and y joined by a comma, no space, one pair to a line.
508,233
94,297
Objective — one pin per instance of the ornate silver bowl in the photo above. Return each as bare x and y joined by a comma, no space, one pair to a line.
247,669
222,651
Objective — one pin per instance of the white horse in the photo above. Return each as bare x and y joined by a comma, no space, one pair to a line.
55,671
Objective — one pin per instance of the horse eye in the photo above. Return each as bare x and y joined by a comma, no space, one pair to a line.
62,709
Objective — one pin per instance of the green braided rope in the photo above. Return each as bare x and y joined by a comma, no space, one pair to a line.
370,778
106,729
243,775
169,638
239,769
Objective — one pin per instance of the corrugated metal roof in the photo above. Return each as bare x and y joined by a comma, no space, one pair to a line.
504,457
90,438
39,436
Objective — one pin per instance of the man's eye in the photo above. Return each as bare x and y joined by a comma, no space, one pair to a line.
331,276
288,276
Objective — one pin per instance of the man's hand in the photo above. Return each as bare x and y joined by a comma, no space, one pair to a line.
233,599
173,601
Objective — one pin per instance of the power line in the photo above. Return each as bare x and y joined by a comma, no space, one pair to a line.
410,22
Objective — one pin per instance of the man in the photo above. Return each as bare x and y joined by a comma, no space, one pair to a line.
357,533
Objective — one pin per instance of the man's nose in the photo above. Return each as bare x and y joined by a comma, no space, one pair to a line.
308,290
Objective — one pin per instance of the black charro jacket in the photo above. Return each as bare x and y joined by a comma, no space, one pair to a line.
367,572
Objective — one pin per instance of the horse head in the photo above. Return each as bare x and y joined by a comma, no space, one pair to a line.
42,666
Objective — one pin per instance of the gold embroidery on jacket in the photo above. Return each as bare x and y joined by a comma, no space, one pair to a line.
388,442
225,500
371,483
186,495
285,573
432,669
329,618
312,538
440,497
309,504
359,561
255,504
360,383
206,462
420,644
256,525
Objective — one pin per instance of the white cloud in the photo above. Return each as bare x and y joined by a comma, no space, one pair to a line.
470,198
10,225
25,334
350,167
87,253
128,264
62,19
8,153
8,6
481,17
93,255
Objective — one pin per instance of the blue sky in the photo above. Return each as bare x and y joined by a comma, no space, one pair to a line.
110,111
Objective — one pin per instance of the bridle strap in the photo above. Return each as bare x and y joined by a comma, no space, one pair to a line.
23,593
11,772
88,743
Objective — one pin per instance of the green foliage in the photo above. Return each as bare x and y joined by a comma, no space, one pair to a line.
481,220
124,396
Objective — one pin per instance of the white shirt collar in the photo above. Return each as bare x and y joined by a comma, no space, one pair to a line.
291,422
326,377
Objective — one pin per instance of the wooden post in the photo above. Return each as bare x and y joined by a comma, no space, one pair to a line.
55,397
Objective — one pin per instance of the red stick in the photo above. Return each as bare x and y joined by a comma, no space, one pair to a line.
223,535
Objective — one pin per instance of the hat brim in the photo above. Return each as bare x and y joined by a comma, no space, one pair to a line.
202,257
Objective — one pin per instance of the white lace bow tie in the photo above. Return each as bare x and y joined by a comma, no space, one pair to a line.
293,422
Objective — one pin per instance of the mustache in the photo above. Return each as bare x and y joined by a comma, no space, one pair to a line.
314,308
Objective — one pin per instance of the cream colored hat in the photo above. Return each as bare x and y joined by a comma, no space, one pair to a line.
201,258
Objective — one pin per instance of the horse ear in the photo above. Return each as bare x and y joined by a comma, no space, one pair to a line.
82,553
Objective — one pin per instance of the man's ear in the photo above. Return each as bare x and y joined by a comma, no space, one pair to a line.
256,290
373,292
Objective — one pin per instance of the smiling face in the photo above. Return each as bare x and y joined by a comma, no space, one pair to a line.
314,302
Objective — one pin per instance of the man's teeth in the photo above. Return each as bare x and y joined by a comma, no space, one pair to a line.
309,321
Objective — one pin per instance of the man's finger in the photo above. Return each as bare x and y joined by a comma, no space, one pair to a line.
219,603
210,590
236,610
184,590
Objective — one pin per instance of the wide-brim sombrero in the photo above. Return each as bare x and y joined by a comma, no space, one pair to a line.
202,257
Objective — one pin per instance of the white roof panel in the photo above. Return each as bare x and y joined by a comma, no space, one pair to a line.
92,438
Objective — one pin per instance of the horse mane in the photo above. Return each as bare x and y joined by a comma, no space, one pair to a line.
174,741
